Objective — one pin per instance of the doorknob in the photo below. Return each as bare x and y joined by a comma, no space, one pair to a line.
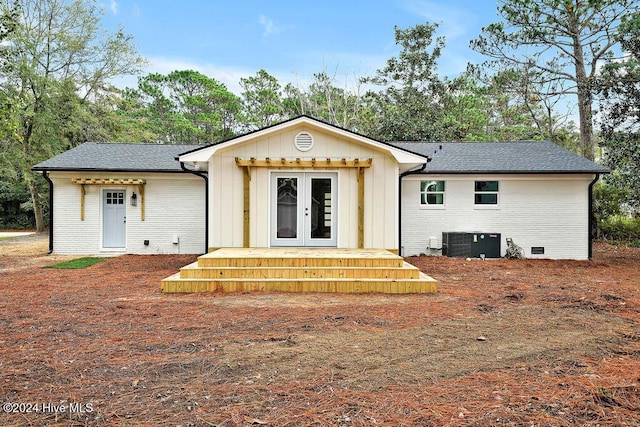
125,220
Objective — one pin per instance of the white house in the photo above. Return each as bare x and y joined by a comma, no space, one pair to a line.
306,183
536,193
124,198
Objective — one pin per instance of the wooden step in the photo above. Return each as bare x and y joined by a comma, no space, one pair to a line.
194,271
300,270
424,284
300,257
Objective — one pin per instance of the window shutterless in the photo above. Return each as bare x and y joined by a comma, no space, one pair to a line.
432,192
486,192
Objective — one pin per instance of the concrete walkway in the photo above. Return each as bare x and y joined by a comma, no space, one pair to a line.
15,233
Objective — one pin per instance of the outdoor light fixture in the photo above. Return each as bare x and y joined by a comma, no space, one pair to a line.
134,199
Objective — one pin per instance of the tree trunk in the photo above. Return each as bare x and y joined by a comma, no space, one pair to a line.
585,113
37,203
585,99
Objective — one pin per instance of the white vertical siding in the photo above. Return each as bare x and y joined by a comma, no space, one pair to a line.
261,191
549,211
347,215
174,206
381,204
226,201
381,192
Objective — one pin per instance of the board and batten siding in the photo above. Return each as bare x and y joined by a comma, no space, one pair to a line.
227,192
549,211
174,206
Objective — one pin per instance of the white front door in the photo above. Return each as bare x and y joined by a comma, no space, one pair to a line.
303,209
114,211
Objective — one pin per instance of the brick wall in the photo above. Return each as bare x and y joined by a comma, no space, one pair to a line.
174,206
549,211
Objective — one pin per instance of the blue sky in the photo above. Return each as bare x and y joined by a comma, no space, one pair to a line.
291,40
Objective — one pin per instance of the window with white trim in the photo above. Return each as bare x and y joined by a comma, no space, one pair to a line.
431,193
486,193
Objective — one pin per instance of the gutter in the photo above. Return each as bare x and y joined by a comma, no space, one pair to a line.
592,223
206,203
46,176
420,170
37,169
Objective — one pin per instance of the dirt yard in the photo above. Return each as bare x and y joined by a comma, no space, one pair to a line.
503,343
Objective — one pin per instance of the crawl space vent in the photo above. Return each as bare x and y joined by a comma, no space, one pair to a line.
303,141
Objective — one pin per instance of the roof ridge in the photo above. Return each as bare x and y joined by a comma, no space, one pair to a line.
140,143
474,142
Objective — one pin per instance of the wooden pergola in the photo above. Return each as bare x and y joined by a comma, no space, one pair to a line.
110,181
298,163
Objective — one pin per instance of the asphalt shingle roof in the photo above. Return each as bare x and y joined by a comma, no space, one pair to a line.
118,157
447,157
500,157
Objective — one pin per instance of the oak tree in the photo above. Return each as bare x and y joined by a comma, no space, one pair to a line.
61,59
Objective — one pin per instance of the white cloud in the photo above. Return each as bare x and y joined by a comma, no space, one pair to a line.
268,26
113,7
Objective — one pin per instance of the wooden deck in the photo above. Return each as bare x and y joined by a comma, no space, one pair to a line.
300,270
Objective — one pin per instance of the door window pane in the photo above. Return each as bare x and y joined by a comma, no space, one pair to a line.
321,208
287,208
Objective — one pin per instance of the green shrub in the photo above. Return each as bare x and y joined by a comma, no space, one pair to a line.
608,200
620,228
15,211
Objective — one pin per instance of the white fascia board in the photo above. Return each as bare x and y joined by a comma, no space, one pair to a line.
405,167
202,155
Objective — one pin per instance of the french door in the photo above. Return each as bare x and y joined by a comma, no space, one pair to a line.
303,209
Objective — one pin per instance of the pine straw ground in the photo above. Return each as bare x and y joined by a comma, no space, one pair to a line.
559,345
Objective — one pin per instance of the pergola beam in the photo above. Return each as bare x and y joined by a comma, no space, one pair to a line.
110,181
312,163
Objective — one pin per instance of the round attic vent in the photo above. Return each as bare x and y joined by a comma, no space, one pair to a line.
303,141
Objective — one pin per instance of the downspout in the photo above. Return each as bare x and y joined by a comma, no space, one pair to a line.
592,224
206,203
46,176
420,170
